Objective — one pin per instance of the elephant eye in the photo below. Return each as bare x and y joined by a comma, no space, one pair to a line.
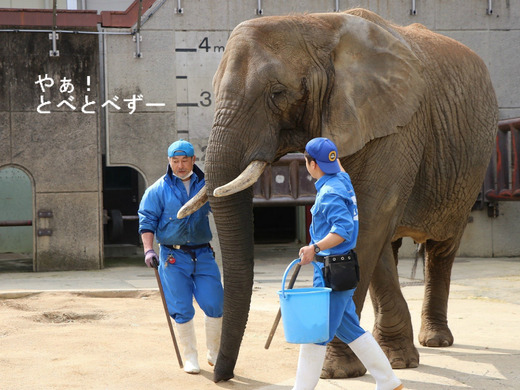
279,99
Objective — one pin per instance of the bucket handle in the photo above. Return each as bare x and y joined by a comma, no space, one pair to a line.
293,263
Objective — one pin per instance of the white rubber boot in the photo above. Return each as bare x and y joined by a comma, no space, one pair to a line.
188,342
213,329
374,359
310,363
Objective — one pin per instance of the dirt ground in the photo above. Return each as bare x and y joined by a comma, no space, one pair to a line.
71,341
120,340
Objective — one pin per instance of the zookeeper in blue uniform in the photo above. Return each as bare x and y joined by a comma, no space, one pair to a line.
186,264
334,231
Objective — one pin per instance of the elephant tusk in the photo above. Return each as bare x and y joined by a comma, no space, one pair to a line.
247,178
193,204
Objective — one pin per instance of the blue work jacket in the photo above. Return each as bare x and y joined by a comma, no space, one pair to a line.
335,211
160,204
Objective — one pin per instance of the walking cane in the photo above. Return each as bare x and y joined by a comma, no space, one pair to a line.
279,314
168,317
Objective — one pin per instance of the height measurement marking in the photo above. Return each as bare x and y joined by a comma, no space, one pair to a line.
204,45
197,57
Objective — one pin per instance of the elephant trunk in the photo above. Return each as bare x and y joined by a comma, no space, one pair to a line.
234,221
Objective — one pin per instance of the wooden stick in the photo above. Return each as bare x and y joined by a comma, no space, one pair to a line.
168,318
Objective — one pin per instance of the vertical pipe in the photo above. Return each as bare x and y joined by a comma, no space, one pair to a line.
54,5
54,52
138,33
178,10
489,9
413,11
259,10
502,165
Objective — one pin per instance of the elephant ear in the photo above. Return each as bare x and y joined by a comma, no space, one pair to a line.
377,84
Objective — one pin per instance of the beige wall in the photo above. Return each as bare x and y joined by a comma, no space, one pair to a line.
62,151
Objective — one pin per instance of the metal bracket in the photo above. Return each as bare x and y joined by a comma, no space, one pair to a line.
138,38
336,8
489,10
413,10
54,36
54,52
179,9
259,10
44,232
45,214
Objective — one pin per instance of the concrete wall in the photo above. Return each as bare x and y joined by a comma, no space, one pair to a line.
167,74
62,151
59,150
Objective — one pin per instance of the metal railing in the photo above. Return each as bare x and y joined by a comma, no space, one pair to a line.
502,181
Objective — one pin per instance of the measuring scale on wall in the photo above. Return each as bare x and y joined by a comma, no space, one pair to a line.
197,56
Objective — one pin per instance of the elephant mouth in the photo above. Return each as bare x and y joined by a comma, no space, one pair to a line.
246,179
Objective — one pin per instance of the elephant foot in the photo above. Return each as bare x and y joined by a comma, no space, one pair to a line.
341,362
435,336
223,369
402,354
400,351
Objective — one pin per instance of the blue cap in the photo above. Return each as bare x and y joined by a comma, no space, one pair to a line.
181,148
325,153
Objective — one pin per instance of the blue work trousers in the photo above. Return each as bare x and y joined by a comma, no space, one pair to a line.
183,278
343,319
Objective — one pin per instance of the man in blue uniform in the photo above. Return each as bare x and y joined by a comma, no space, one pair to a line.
334,231
186,264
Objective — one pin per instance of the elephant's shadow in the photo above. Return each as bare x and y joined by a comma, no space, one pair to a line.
240,382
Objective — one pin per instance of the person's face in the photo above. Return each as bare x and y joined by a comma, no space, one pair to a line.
181,165
311,167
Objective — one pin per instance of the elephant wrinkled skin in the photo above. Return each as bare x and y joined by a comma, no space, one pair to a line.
414,116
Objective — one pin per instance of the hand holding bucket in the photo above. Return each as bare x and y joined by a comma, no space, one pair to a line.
305,311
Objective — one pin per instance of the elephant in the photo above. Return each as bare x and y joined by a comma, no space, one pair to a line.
414,116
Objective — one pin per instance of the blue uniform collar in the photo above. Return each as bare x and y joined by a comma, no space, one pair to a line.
322,180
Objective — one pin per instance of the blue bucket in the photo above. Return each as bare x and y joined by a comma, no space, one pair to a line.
305,311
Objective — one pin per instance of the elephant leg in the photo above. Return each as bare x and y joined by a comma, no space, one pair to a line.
341,362
393,326
434,320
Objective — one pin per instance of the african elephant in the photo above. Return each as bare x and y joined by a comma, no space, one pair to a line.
414,116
